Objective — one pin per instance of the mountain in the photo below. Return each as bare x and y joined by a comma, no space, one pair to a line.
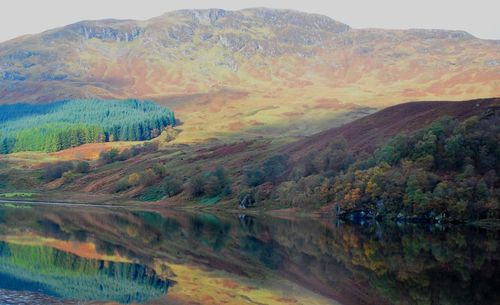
249,69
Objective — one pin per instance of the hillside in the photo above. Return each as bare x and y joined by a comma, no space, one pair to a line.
417,162
367,133
255,71
444,141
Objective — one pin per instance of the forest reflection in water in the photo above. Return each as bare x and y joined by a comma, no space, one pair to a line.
97,255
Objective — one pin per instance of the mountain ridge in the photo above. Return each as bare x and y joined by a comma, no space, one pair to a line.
216,13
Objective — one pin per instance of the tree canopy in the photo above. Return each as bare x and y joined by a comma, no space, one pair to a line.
69,123
449,169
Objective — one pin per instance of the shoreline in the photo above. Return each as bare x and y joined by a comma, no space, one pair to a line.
487,224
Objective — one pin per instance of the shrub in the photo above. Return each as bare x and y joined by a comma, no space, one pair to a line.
113,155
121,185
110,156
197,186
82,167
170,186
68,176
254,176
160,170
212,186
134,179
149,177
275,168
55,171
210,183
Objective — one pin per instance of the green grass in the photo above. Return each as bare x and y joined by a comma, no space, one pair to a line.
17,195
154,193
210,200
15,206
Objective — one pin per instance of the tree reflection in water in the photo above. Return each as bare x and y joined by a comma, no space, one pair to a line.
373,264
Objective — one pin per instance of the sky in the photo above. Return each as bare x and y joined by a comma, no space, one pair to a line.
478,17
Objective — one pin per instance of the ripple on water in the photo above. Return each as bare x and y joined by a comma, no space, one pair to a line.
8,297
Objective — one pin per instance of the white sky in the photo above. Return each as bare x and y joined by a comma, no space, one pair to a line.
478,17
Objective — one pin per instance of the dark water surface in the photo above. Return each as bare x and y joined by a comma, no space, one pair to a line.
85,255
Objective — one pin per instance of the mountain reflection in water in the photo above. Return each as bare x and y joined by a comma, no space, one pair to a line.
96,256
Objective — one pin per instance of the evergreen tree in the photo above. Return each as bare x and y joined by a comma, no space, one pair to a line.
64,124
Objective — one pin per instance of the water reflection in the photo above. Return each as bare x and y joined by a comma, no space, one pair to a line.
64,275
136,253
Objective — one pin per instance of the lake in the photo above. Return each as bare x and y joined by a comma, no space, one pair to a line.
89,255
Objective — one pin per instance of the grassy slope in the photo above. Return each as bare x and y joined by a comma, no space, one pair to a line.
183,161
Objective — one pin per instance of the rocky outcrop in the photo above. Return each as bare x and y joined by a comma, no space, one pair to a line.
106,33
247,201
209,16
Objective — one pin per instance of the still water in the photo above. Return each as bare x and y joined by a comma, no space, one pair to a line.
84,255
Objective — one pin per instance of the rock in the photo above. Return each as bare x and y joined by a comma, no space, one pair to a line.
247,201
207,16
440,34
107,33
246,221
357,216
53,76
12,75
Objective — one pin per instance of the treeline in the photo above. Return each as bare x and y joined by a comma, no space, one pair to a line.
60,125
446,171
14,111
54,137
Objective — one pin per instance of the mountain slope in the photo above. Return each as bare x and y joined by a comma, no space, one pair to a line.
366,133
248,69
